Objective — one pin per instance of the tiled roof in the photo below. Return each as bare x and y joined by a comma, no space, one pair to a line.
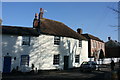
89,36
15,30
52,27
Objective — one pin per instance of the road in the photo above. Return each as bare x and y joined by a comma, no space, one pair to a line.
103,74
60,75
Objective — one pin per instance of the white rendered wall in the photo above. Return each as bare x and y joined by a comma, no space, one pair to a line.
84,55
68,47
42,50
12,45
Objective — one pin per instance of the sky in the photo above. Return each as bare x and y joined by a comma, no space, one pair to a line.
93,17
59,0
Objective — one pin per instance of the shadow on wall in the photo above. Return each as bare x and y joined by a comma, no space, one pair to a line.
13,46
38,53
43,53
67,48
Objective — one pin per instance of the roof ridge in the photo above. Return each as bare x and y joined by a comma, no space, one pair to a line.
93,37
52,20
62,27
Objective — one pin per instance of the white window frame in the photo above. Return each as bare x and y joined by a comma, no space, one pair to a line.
56,59
56,40
26,40
25,60
77,58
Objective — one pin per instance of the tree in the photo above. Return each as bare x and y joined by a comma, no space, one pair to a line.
117,11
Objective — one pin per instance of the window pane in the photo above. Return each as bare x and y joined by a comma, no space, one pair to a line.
56,59
26,40
57,40
76,58
24,60
80,43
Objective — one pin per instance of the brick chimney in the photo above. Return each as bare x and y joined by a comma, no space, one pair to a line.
35,21
41,13
79,30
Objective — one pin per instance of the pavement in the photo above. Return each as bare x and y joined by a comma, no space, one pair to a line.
105,73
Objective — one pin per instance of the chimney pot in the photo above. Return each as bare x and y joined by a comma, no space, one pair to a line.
41,13
109,38
79,30
41,9
36,15
35,21
115,40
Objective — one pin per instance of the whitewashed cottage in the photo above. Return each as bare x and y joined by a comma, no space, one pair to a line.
48,45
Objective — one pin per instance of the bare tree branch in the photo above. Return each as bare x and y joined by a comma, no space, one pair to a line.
114,9
114,26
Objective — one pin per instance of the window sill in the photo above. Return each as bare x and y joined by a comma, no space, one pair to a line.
56,64
80,47
56,45
25,45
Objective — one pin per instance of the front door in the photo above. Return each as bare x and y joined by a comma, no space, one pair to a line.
66,62
7,64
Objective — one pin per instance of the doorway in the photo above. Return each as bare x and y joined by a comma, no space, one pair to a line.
7,64
66,62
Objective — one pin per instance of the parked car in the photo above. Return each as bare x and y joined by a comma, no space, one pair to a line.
88,66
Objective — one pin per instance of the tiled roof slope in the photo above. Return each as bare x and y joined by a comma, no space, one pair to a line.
89,36
52,27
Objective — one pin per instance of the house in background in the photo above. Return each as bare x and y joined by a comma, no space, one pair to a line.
112,51
96,47
112,48
48,45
